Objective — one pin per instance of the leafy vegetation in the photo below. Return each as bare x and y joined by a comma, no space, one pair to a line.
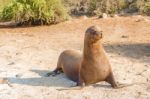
97,7
38,12
147,9
105,6
2,4
34,12
144,6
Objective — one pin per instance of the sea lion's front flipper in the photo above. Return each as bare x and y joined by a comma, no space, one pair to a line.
111,80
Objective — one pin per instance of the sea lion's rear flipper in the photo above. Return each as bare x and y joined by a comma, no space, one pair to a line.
78,86
55,72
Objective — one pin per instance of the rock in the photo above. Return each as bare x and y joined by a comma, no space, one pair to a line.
84,17
115,15
137,20
104,16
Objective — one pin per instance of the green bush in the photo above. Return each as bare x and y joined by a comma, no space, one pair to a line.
92,7
34,12
74,6
97,7
147,9
144,6
105,6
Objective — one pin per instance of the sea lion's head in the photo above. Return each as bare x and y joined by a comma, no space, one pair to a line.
93,34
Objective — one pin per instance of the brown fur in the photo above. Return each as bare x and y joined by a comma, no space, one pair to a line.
89,68
69,62
95,66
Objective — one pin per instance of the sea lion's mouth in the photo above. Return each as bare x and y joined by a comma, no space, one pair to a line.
94,40
96,37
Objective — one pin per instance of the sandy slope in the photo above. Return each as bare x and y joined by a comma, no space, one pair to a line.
27,54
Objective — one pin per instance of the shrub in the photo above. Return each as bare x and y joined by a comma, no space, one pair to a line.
76,7
147,9
34,12
92,7
144,6
105,6
97,7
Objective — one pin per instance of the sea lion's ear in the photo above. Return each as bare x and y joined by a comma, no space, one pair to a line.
101,35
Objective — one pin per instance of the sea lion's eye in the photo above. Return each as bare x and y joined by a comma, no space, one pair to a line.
93,32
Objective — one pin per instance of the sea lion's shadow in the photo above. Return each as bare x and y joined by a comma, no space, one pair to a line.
57,81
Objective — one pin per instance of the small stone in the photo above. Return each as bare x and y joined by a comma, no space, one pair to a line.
116,16
18,75
12,63
146,65
137,20
18,53
147,80
124,36
84,17
139,93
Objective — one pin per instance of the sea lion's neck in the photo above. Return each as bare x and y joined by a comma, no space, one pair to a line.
92,50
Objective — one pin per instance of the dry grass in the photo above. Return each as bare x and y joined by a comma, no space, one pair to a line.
4,2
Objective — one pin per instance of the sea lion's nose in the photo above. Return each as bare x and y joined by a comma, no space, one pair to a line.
100,33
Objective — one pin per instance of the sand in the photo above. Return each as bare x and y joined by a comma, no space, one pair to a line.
28,53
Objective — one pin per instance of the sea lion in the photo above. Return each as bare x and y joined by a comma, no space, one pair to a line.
95,66
89,68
